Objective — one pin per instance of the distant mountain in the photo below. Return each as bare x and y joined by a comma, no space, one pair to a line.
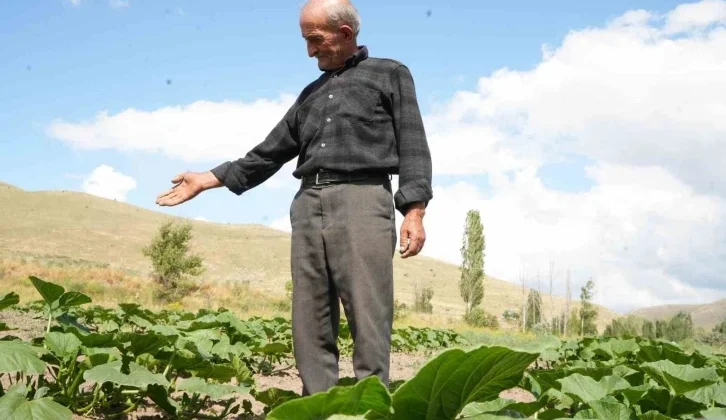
86,227
706,315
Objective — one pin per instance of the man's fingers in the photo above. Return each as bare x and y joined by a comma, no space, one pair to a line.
177,179
170,200
416,245
404,242
164,194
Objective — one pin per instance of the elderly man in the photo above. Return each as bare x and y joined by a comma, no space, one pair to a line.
351,128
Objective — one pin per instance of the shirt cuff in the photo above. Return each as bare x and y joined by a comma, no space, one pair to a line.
222,172
412,193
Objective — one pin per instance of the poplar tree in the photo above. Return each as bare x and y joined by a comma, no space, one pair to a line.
471,284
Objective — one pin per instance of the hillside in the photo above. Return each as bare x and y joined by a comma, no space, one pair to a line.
63,224
706,315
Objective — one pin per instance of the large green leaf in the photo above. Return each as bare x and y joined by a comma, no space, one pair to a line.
679,379
635,394
9,300
51,292
138,377
16,356
610,410
14,406
454,379
147,343
660,399
160,396
63,345
368,395
615,348
272,397
709,394
586,389
653,415
272,349
502,406
73,299
714,414
216,391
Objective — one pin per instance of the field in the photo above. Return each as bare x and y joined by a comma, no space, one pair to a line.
74,359
81,229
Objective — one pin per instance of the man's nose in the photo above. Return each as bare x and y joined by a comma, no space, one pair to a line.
312,50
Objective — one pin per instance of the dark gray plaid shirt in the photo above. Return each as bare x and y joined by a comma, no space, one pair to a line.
364,117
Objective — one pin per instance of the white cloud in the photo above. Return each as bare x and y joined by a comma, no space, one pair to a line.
634,233
199,132
75,2
118,4
628,93
105,182
688,17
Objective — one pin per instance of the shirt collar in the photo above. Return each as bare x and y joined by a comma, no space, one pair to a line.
359,56
353,60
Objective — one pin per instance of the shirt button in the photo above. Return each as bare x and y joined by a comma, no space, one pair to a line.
331,96
322,145
328,120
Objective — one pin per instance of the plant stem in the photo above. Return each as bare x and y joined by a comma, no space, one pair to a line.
670,405
71,391
50,318
96,395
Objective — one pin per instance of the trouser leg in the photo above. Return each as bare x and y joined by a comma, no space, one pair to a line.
315,308
359,233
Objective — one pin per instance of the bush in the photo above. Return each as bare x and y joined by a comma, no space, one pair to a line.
399,310
422,300
172,266
510,315
478,317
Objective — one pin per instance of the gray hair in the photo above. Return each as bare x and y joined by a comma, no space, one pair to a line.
343,13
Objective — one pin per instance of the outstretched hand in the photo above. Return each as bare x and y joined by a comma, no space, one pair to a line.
413,235
188,185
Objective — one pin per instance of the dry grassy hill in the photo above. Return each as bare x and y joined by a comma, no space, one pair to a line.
63,224
706,315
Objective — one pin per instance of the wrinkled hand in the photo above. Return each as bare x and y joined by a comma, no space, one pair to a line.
188,185
412,235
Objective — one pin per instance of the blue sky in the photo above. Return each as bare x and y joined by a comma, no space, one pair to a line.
67,61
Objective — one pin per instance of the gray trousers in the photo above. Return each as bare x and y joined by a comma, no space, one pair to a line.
343,242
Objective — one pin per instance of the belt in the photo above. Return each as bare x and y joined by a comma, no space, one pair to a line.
329,177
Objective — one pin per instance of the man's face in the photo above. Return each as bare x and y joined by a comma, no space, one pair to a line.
323,42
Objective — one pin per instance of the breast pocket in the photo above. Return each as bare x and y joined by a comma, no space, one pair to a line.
359,105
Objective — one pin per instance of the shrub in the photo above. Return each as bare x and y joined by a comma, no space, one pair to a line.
399,310
478,317
422,300
172,265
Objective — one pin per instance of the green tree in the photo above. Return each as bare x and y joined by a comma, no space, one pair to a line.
629,326
422,300
471,284
588,312
720,328
649,330
661,328
573,323
534,309
171,262
680,327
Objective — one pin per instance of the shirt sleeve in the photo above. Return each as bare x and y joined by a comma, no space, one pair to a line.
414,157
264,160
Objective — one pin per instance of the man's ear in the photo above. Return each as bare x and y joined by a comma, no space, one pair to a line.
347,32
